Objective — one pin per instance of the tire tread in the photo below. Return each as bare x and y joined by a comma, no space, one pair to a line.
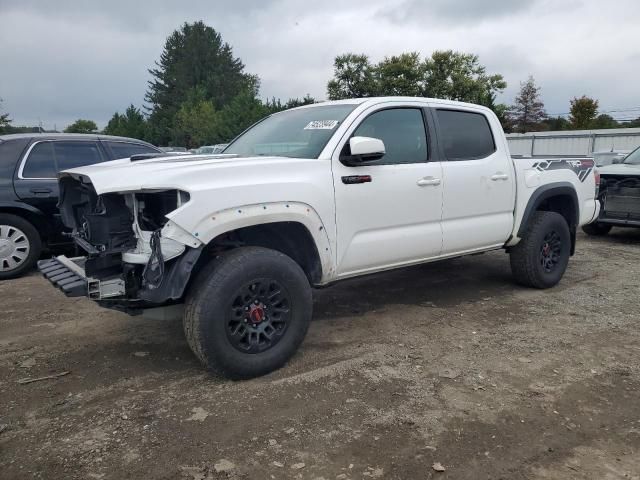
523,263
212,277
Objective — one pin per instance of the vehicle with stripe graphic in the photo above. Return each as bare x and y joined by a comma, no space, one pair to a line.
305,198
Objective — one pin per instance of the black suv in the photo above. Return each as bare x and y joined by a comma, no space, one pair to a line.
29,163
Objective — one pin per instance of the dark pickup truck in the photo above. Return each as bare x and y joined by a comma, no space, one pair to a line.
619,196
29,164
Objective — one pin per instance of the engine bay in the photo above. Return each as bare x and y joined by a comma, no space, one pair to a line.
121,233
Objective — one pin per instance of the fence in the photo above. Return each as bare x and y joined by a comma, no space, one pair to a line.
576,143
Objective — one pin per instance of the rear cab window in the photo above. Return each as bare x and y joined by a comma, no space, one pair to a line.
127,149
464,135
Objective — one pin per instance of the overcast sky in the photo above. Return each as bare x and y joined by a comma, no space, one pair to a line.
62,60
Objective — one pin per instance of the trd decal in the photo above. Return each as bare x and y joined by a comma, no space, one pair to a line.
582,168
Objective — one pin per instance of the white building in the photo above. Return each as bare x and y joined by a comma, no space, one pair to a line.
572,143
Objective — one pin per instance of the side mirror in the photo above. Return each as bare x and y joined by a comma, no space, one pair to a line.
364,150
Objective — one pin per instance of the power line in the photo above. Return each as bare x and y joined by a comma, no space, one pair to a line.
632,109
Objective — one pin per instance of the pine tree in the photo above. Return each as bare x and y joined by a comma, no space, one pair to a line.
194,57
130,124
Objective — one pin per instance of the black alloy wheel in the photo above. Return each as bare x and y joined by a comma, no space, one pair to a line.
550,251
259,316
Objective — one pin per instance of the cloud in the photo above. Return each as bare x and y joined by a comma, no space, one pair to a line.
64,60
454,12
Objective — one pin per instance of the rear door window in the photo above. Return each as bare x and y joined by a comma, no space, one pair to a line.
40,163
126,149
72,154
465,135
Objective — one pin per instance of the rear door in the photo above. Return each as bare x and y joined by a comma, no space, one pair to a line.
478,180
36,181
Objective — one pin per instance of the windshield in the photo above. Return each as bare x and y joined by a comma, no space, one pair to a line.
298,133
633,158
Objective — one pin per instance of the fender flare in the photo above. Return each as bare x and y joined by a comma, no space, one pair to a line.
547,191
229,219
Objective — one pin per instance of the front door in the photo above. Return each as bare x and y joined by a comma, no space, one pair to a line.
388,213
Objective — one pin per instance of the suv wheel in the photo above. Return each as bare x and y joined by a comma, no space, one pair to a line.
20,246
247,312
597,229
542,256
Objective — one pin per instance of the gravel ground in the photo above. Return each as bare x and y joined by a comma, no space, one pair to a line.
448,363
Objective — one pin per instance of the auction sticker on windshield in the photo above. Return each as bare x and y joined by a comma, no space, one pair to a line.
321,125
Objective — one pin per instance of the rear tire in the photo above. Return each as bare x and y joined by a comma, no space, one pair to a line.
542,256
247,312
20,246
597,229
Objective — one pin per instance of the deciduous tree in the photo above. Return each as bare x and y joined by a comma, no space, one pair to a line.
605,121
527,112
556,123
583,112
459,76
82,126
401,75
353,77
445,74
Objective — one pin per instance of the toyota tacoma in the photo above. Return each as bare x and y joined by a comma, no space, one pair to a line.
302,199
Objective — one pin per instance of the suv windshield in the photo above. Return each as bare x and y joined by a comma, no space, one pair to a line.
298,133
633,158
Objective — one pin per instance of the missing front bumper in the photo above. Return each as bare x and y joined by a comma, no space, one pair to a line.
68,275
65,275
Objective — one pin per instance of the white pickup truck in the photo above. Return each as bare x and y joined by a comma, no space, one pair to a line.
304,198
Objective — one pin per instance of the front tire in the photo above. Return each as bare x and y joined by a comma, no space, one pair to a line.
247,312
20,246
597,229
542,256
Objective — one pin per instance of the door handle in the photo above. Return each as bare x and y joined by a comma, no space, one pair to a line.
500,176
40,190
428,182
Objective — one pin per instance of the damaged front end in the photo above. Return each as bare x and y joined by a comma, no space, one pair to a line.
136,257
620,200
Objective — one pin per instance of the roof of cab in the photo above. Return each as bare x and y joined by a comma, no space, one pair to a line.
377,100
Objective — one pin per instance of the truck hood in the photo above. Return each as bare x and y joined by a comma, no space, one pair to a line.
620,169
180,172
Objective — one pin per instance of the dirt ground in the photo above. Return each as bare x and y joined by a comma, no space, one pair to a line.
449,363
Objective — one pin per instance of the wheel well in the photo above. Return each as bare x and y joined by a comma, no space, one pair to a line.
560,198
34,218
562,204
290,238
